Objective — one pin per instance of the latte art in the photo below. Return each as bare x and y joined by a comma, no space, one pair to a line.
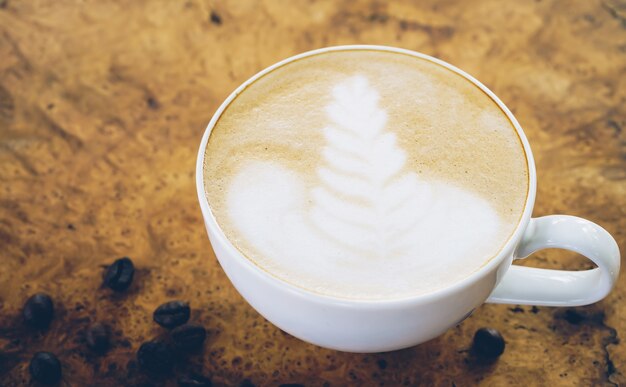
367,200
357,221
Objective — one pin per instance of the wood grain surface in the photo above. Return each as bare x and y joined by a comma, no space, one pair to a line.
102,106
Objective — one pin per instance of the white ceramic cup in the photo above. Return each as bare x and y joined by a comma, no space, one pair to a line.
385,325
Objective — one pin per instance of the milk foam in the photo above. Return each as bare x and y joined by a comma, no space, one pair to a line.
365,174
368,228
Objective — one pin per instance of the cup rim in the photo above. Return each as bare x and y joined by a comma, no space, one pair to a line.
219,236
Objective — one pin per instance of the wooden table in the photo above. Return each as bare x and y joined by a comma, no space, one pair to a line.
102,106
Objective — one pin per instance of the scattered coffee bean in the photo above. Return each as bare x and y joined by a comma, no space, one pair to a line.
194,380
45,368
98,337
188,337
488,343
155,357
291,385
215,18
172,314
38,311
120,274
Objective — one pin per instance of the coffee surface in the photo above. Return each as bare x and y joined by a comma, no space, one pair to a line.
366,174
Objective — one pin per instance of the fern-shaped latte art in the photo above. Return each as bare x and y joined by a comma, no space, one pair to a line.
370,227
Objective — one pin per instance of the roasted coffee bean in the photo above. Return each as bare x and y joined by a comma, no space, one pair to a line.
488,343
98,338
45,368
172,314
120,274
38,311
215,18
194,380
155,357
188,337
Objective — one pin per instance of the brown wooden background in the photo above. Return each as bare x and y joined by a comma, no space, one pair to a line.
102,106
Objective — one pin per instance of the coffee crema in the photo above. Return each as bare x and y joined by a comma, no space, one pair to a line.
366,174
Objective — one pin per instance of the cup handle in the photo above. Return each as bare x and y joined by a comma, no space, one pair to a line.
533,286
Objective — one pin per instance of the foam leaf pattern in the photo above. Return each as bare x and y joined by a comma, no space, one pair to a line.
364,197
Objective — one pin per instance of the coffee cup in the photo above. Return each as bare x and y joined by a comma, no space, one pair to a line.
397,320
